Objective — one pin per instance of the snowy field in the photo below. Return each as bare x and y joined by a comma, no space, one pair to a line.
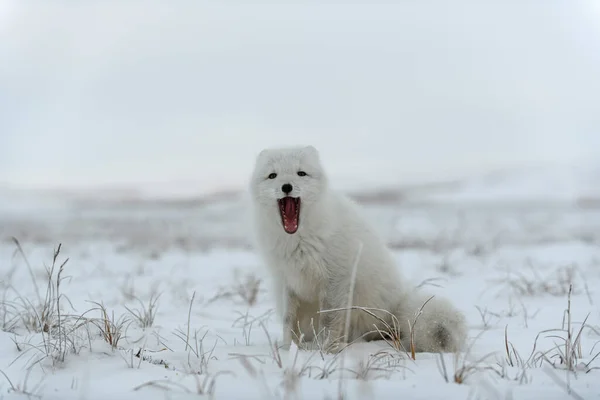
167,300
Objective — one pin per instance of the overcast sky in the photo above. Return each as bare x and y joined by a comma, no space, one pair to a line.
120,92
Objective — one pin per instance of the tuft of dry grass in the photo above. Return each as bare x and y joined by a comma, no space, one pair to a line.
463,368
145,315
59,330
246,288
486,317
412,325
111,329
570,352
391,332
205,386
566,354
247,323
9,314
195,347
559,283
273,348
319,342
45,316
380,365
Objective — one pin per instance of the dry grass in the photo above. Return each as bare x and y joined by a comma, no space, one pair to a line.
559,283
486,317
566,354
145,315
61,332
245,288
463,368
24,388
380,365
205,386
10,316
112,330
247,322
58,328
391,332
320,339
43,316
273,348
194,345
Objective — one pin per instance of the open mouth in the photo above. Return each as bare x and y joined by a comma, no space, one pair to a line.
289,208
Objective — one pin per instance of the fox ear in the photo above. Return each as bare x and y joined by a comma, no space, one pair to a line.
311,150
262,154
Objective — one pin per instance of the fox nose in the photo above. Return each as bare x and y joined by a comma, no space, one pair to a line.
287,188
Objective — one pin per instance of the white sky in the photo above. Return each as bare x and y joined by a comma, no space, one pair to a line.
107,92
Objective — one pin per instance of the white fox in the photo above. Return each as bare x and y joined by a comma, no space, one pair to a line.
309,236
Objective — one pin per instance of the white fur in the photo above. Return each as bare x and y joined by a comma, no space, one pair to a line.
312,268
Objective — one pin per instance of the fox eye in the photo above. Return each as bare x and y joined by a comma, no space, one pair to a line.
301,173
272,175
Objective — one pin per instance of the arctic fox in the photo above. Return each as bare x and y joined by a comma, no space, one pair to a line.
309,236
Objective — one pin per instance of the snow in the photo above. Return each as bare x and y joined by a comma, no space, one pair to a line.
507,266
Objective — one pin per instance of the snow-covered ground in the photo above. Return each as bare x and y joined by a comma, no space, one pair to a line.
180,282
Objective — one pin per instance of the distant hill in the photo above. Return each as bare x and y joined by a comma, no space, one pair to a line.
554,184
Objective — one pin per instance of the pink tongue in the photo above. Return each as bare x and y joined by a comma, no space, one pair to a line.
289,210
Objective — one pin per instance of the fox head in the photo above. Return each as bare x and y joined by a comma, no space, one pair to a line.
286,182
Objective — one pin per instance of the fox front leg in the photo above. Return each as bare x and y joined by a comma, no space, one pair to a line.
290,317
333,324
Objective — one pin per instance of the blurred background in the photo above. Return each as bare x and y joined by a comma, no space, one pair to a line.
164,99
